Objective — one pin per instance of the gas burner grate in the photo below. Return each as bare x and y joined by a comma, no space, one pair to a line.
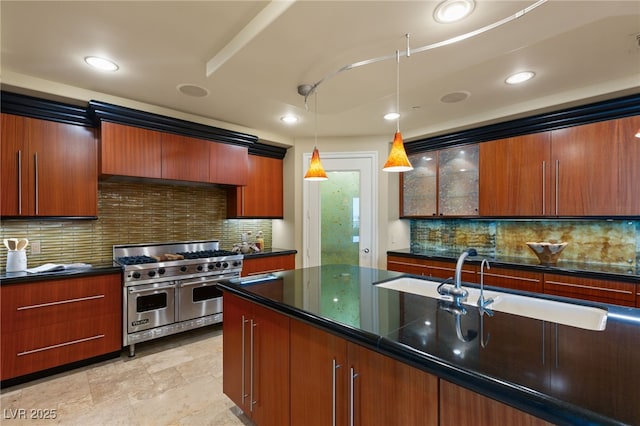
136,260
202,254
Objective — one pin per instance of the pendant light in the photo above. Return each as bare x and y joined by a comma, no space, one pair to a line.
398,160
316,171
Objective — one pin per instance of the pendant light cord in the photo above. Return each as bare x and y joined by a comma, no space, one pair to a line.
398,90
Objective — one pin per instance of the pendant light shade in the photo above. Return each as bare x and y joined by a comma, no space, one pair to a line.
397,160
316,171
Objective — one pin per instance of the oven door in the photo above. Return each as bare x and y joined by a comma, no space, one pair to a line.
200,297
150,305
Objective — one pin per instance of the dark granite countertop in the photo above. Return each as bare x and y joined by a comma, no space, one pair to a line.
106,267
594,270
270,252
563,374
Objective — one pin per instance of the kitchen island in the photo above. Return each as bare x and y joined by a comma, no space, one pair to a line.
558,373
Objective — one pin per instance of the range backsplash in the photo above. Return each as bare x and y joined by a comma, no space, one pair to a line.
612,242
130,213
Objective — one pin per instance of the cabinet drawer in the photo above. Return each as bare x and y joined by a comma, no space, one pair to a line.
618,293
407,264
266,264
39,304
444,270
514,279
37,349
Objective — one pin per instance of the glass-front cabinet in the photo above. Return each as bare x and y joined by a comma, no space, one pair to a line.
442,183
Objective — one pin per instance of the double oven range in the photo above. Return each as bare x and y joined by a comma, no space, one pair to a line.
171,287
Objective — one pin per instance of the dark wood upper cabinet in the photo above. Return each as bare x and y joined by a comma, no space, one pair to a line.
584,170
185,158
629,166
229,164
48,168
130,151
262,197
514,176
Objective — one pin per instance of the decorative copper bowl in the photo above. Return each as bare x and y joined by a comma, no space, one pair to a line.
547,252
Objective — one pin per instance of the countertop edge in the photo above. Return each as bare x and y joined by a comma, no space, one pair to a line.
9,278
631,278
533,402
270,252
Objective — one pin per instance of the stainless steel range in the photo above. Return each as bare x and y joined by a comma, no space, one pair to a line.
171,287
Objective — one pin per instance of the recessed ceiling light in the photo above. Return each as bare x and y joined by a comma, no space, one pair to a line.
453,10
101,64
391,116
520,77
289,119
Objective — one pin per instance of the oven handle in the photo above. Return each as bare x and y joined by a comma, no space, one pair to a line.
211,281
147,290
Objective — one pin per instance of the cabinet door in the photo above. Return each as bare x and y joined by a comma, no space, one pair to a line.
235,357
130,151
15,167
388,392
628,201
318,377
615,292
65,169
445,269
585,170
185,158
262,197
265,264
419,187
514,177
229,164
256,360
460,406
458,181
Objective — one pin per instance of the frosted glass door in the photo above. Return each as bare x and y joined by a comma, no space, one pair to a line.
458,181
420,186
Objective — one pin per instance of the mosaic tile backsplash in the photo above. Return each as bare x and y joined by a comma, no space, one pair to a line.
610,242
131,213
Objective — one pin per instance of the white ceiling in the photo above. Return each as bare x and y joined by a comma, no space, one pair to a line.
581,51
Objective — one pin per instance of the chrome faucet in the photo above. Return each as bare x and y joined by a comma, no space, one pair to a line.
463,256
482,302
456,291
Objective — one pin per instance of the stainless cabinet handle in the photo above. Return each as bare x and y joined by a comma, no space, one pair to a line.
544,190
19,182
252,401
333,402
60,302
352,377
147,290
242,357
35,162
557,184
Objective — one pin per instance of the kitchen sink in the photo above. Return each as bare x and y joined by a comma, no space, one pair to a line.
580,316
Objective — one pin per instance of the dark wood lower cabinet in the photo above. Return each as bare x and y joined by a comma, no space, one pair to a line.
513,278
48,324
338,382
596,290
460,406
256,360
263,264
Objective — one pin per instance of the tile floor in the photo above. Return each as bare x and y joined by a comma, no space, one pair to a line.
176,380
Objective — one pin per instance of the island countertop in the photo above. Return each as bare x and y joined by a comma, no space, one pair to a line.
562,374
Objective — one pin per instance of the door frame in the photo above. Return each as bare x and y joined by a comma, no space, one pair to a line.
311,229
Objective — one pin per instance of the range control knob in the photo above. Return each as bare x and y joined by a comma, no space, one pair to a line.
152,273
225,265
161,271
218,265
199,268
183,269
237,263
210,266
136,275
